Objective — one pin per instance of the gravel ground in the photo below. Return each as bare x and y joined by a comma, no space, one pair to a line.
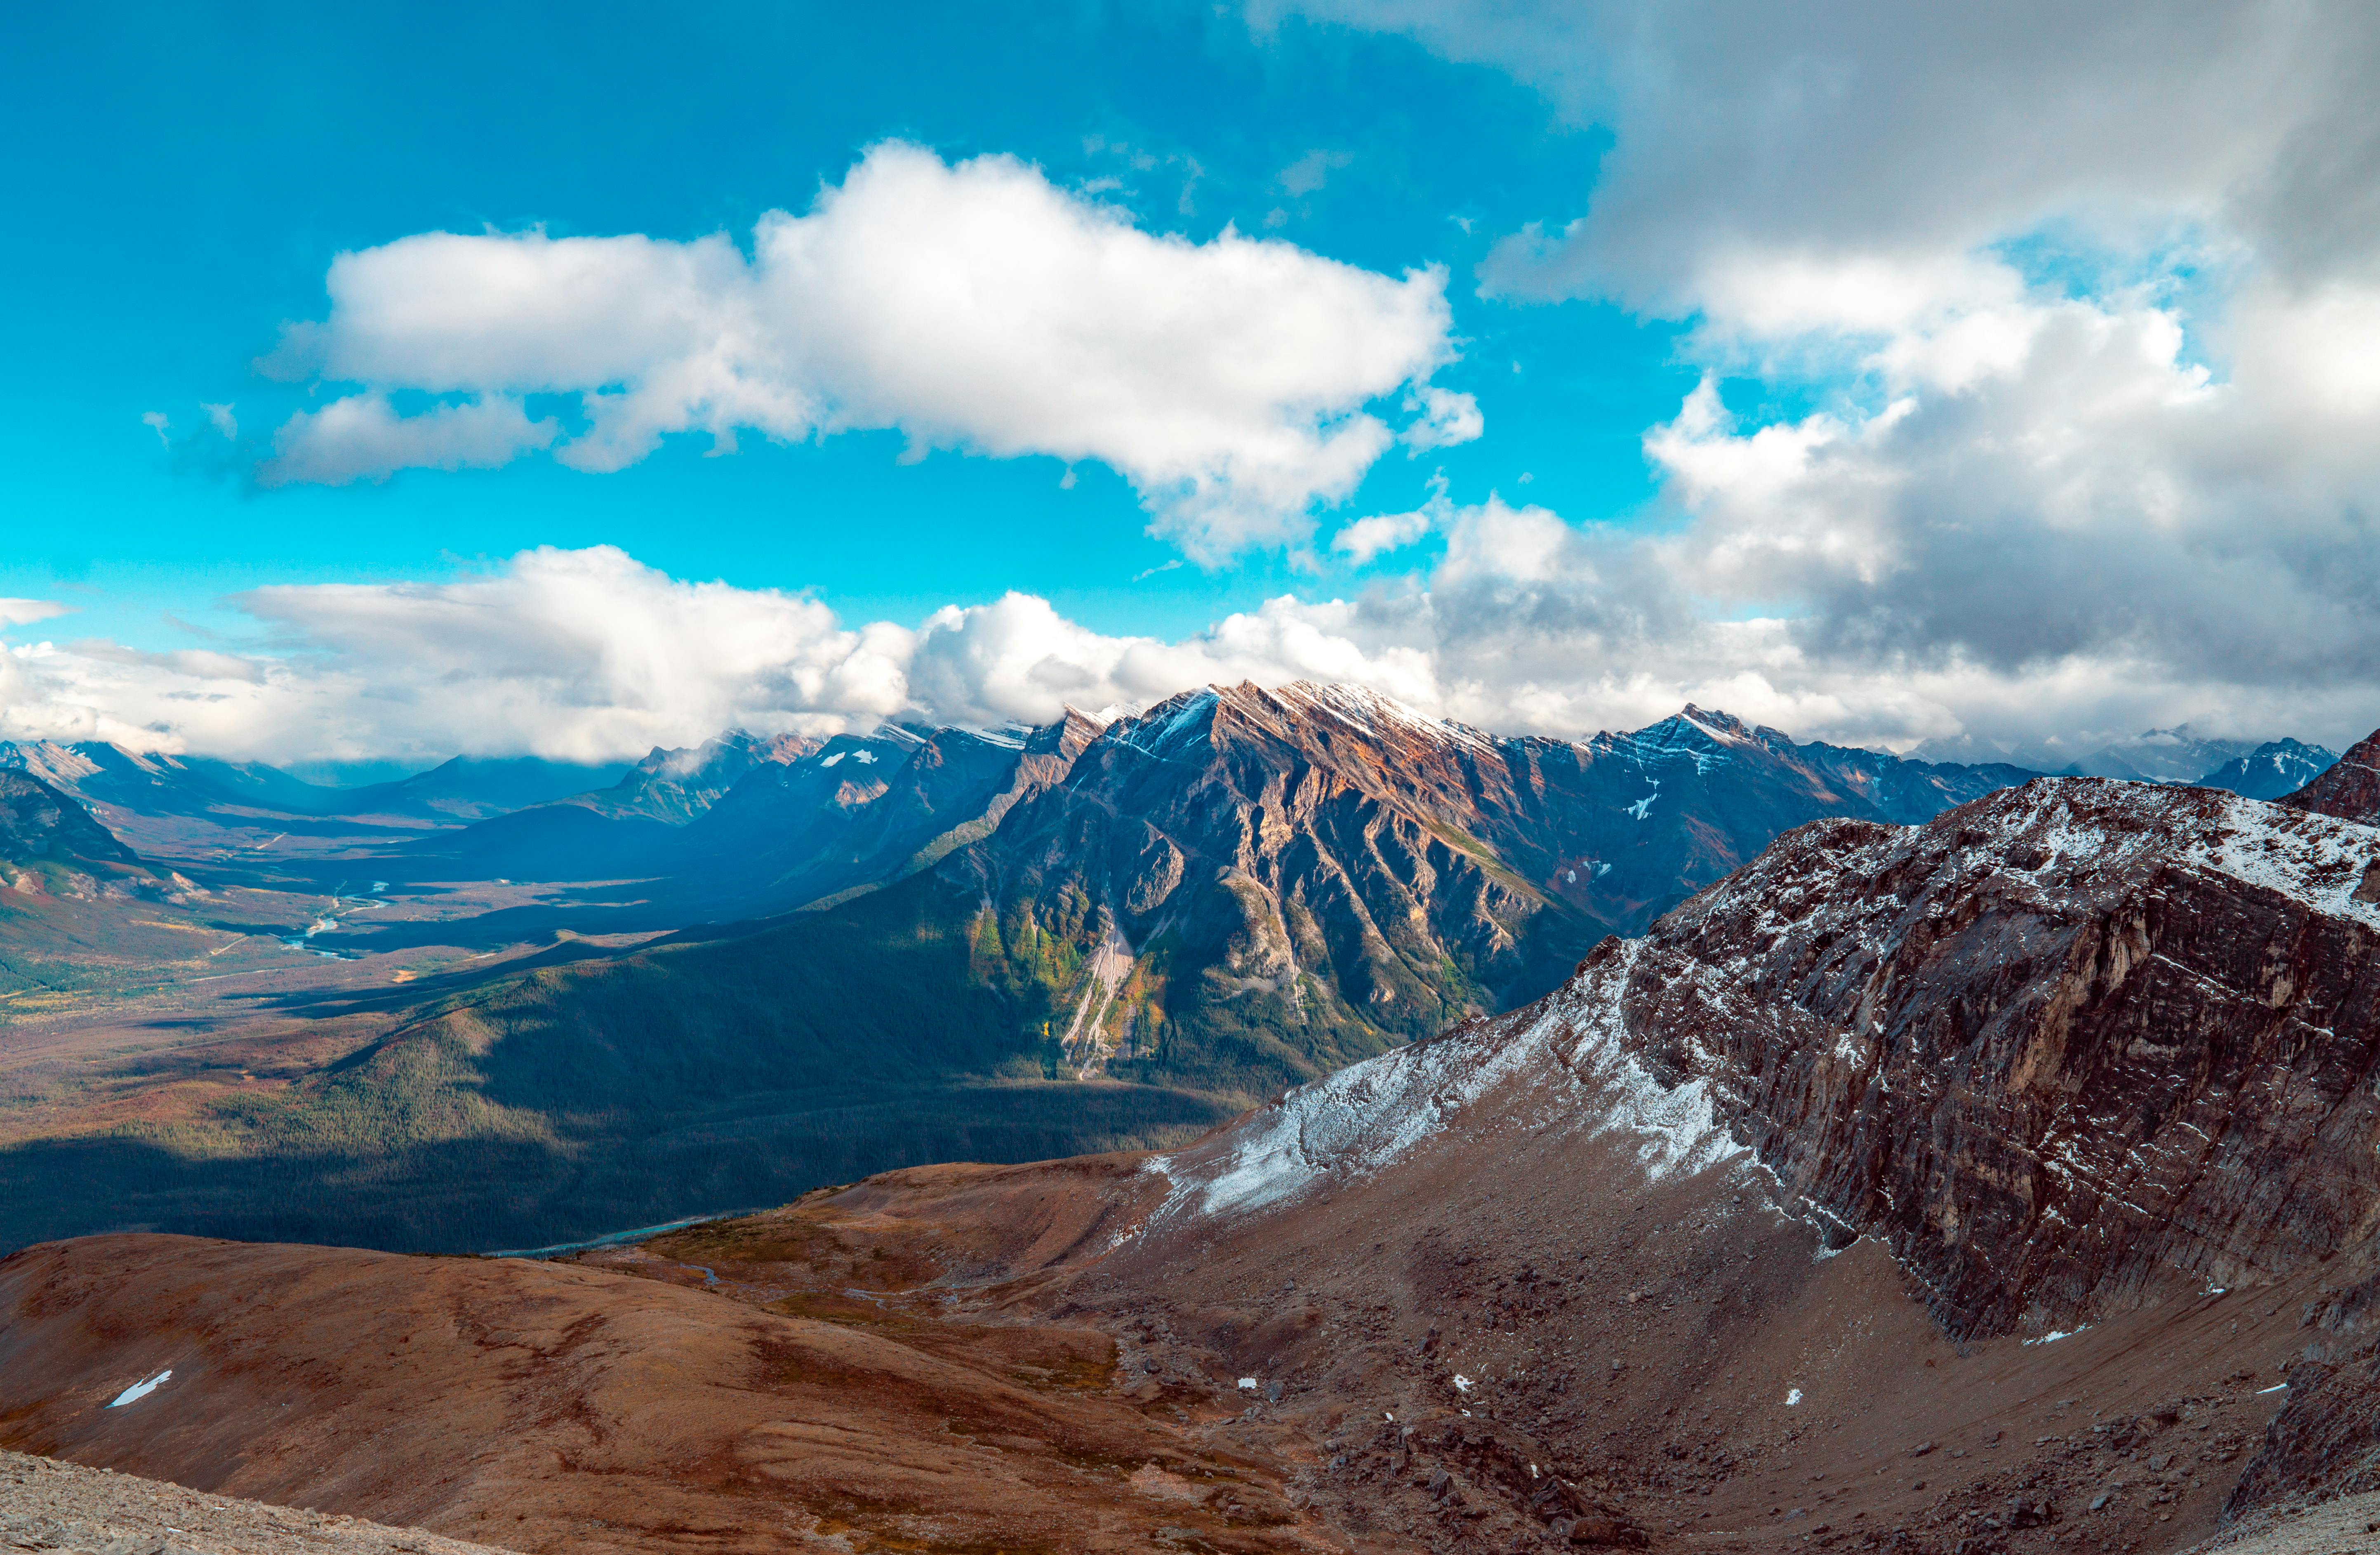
45,1504
2349,1525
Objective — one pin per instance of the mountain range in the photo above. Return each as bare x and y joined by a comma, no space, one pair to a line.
2180,755
131,782
1011,943
1996,1185
915,944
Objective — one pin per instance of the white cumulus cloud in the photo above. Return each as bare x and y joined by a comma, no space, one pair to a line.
22,613
1365,538
362,438
2082,308
975,307
1529,624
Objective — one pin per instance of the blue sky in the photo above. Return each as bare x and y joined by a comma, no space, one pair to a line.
1997,380
214,161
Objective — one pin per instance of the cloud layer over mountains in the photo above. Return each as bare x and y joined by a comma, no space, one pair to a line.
1528,626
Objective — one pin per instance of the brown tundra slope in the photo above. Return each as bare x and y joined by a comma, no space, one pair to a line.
1956,1189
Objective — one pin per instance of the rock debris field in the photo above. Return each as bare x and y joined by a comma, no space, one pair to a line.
45,1504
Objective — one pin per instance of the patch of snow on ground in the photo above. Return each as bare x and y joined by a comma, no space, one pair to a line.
1363,1119
2315,859
2054,1335
1792,1397
1677,1126
140,1390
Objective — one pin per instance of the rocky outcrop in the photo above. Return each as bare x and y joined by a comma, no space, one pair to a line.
38,825
2350,789
2052,1046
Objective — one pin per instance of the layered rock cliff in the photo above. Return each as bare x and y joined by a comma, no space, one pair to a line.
2053,1047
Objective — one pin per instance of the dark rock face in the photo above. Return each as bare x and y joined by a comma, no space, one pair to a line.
2324,1443
37,822
2052,1046
2349,790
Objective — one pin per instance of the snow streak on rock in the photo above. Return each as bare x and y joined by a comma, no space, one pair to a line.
1562,1059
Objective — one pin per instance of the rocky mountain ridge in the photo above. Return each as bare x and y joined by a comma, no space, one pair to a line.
2348,790
2054,1049
2272,770
1287,880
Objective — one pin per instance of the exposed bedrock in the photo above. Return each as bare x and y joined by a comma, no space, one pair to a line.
2054,1047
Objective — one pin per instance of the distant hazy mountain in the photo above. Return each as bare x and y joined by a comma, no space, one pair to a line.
2178,755
152,783
470,788
149,783
2271,770
676,787
803,821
